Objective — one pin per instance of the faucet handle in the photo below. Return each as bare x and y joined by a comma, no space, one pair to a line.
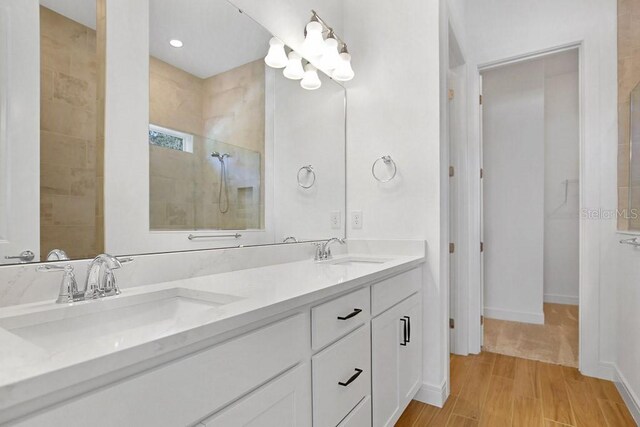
110,286
68,286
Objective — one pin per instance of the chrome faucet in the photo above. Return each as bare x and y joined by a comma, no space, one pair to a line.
101,282
323,250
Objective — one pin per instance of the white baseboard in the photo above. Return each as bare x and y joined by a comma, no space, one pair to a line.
630,398
561,299
435,395
514,316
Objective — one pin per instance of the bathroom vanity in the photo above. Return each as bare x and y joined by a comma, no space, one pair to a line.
337,342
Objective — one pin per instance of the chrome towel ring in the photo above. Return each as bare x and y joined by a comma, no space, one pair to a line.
310,171
387,160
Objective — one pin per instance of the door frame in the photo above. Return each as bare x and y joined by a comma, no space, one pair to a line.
587,340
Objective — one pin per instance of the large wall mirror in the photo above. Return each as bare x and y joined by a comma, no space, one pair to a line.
237,153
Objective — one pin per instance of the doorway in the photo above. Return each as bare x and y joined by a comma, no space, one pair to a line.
530,204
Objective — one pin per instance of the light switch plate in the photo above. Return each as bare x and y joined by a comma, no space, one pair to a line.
356,220
335,220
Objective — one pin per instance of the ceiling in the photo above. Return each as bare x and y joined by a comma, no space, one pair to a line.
216,36
82,11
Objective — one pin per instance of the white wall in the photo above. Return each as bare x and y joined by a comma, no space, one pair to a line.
514,164
503,29
562,163
393,108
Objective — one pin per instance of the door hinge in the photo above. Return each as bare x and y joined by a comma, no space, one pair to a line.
480,99
452,324
481,246
481,320
452,94
481,173
452,171
452,248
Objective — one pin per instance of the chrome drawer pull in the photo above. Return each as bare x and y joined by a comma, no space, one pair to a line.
352,379
355,312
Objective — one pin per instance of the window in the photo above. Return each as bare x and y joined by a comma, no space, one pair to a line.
169,138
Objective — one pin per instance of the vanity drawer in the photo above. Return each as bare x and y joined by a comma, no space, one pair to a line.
360,416
341,377
183,392
336,318
391,291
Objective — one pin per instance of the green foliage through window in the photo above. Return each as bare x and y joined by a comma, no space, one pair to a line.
165,140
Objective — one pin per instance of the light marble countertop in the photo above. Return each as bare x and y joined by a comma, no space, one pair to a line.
33,369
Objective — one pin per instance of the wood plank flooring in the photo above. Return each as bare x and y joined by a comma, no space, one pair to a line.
496,390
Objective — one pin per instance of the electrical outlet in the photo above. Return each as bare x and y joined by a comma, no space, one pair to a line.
334,218
356,220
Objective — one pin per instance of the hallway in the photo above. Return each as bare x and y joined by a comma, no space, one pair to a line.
554,342
496,390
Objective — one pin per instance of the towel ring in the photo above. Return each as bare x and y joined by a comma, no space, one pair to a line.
387,160
309,170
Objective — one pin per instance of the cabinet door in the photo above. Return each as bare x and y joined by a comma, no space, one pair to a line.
411,354
391,350
285,401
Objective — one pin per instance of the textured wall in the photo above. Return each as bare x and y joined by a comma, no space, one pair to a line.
68,129
628,78
225,113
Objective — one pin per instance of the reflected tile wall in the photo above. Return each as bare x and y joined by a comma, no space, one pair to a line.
628,78
229,109
68,133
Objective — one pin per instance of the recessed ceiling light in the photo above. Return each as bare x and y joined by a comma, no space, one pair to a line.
176,43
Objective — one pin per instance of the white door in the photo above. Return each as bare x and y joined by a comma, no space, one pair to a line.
285,401
411,354
19,131
396,359
453,209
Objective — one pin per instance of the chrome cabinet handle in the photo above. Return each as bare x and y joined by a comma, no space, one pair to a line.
352,379
25,256
354,313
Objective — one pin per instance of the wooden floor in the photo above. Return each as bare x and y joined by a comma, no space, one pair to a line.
496,390
554,342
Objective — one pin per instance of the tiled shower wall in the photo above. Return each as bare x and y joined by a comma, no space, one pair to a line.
224,113
628,78
70,212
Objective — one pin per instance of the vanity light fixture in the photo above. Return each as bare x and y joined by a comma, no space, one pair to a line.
343,71
176,43
294,70
276,57
310,81
330,55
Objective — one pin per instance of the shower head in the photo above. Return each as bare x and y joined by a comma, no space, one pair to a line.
220,156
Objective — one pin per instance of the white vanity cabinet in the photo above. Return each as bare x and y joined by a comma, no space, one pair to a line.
354,360
283,402
396,359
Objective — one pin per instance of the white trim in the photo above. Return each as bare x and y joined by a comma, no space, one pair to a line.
562,299
514,316
628,395
434,395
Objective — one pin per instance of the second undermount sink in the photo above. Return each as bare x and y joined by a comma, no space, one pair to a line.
358,261
116,322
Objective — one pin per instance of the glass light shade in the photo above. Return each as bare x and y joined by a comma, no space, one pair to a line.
313,44
294,70
343,71
330,56
310,81
276,57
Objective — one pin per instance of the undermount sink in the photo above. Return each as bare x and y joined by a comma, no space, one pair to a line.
115,321
358,261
